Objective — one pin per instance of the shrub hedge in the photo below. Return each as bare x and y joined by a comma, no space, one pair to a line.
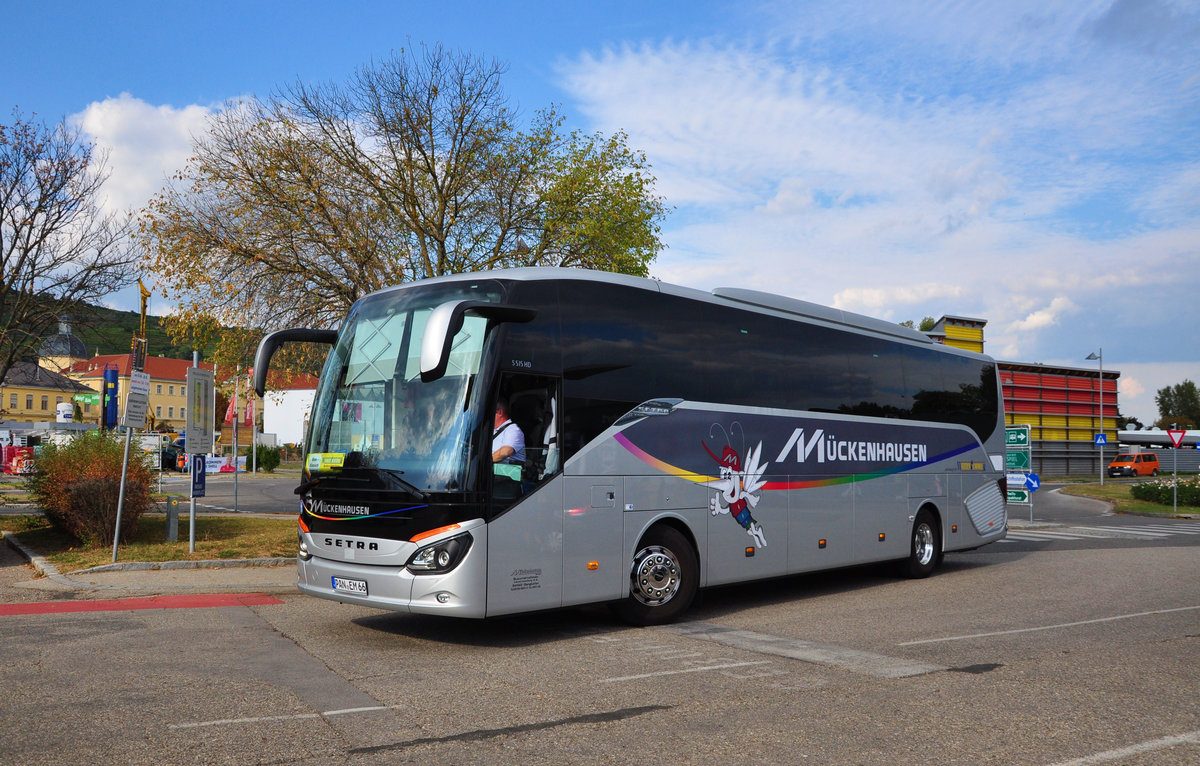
269,458
1161,491
77,486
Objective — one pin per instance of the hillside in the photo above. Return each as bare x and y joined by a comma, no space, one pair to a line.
106,331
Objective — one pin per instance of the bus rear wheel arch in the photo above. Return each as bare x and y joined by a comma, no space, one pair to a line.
664,575
925,545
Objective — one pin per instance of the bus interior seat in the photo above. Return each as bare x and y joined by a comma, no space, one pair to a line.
532,410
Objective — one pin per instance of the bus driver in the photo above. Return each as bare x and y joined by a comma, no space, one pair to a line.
508,441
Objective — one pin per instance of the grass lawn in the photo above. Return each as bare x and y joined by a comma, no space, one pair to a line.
217,537
1117,493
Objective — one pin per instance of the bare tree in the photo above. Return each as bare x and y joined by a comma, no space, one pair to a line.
58,249
295,206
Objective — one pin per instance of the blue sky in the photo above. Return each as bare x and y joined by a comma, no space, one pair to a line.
1035,164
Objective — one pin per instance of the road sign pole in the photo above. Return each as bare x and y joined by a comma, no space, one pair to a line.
1177,438
121,493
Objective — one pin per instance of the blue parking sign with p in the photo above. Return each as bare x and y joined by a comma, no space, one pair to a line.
198,475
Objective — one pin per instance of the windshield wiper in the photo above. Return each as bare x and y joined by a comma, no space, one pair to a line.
393,473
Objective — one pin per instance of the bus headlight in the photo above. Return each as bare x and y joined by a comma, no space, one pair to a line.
441,556
303,552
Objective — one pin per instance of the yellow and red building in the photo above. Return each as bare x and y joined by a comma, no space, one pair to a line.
1061,405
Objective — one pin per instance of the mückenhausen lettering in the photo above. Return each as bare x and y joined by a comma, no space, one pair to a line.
830,449
342,510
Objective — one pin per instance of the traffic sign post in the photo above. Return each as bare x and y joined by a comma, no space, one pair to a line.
1017,462
201,395
1176,437
1016,437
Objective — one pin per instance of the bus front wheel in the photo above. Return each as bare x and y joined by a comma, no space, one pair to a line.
925,547
663,578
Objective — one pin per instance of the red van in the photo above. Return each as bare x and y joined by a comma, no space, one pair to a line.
1134,464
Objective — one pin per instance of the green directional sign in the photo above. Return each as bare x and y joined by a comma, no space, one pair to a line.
1017,460
1016,436
87,398
1018,497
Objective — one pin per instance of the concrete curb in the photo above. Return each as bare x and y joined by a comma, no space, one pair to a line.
143,566
50,572
41,565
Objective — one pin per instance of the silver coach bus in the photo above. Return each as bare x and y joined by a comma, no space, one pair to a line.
675,439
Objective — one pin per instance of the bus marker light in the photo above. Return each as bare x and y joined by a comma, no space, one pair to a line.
882,537
303,526
432,532
820,544
750,553
593,566
954,528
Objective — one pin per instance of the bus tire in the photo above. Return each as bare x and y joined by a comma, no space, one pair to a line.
663,578
925,546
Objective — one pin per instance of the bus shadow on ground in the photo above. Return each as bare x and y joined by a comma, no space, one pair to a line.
541,628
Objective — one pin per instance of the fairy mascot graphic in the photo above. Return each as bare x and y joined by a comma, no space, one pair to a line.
737,490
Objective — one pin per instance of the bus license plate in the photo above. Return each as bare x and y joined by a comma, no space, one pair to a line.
344,585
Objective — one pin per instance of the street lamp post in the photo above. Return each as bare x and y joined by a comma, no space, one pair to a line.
1094,357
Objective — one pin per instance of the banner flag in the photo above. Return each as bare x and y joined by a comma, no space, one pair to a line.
231,412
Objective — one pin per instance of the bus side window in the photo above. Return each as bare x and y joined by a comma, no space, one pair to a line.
535,410
533,407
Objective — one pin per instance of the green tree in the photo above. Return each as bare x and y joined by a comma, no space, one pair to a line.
58,249
295,206
926,324
1178,405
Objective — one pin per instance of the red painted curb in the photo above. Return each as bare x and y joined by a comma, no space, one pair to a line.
198,601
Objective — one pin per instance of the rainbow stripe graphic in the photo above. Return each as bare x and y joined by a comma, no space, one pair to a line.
365,516
699,478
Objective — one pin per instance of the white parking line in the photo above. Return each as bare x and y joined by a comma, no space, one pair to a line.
268,718
1138,749
1129,531
1041,536
1049,627
1169,529
853,660
697,669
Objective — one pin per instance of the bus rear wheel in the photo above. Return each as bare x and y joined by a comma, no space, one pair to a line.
663,578
925,547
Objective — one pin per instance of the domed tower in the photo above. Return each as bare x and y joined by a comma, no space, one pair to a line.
59,352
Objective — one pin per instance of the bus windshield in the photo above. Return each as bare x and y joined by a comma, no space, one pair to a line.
373,414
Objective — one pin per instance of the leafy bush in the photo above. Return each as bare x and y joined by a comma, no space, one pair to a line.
1161,491
77,487
269,458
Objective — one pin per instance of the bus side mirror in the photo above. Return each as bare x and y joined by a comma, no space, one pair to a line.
271,343
446,320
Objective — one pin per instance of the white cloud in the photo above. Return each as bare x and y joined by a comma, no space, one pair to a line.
879,301
1010,166
1140,382
1130,387
1045,317
145,144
